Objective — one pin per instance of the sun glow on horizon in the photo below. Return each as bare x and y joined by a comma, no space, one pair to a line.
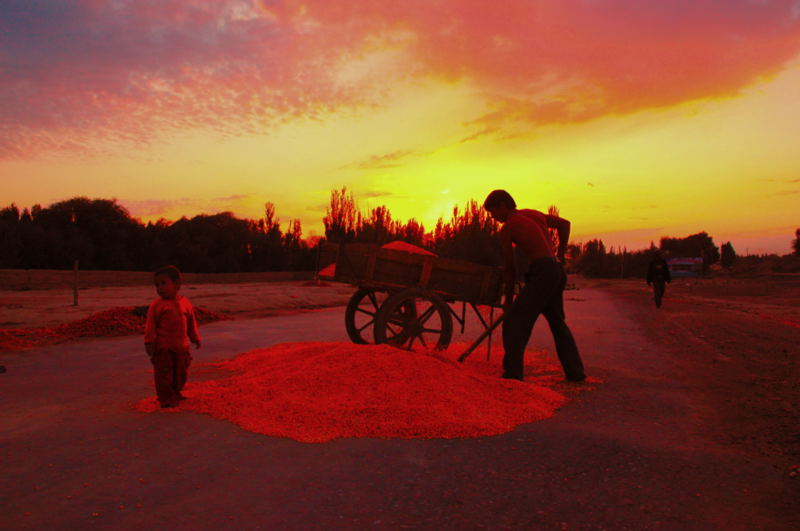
420,110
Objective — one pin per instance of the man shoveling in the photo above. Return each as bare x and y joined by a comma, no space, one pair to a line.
544,284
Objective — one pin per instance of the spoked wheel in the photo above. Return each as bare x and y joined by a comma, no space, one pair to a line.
414,317
359,317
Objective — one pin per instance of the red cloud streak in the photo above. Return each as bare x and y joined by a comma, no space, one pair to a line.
74,72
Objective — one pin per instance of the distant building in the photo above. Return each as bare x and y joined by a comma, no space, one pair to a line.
685,266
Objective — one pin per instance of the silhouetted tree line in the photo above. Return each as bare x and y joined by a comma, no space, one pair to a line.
470,234
101,234
796,242
727,255
593,260
698,245
467,235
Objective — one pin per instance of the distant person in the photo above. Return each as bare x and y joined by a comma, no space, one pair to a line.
658,276
169,328
543,292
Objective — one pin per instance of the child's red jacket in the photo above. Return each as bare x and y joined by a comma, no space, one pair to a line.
171,324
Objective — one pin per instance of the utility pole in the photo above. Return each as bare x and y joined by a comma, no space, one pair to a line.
75,283
73,218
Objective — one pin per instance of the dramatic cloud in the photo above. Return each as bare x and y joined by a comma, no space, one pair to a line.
483,132
372,194
387,160
75,72
148,208
788,181
152,208
564,61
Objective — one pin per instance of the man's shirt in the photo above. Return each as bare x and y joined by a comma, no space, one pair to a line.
658,269
527,228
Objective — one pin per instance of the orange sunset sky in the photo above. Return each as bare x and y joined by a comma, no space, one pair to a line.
638,119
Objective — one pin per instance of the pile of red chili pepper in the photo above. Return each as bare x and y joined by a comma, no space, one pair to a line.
315,392
119,321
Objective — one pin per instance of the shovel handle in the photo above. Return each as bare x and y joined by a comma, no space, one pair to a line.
480,339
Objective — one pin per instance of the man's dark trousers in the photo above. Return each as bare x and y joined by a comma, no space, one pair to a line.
543,294
659,286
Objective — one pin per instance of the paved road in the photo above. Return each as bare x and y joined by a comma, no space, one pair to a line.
628,455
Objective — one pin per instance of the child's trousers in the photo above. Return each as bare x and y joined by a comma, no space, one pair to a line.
170,370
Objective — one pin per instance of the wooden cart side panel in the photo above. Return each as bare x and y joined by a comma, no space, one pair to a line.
360,262
425,274
451,279
352,262
397,272
482,286
328,254
371,263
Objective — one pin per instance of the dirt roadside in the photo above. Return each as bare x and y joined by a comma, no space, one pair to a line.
51,307
736,341
631,454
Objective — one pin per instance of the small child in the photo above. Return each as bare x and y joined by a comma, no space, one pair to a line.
170,326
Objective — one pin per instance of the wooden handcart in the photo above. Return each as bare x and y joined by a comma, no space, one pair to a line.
406,299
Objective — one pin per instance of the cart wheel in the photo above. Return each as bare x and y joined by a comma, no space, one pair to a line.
359,317
414,316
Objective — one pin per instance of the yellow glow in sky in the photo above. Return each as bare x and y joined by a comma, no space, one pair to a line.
419,110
